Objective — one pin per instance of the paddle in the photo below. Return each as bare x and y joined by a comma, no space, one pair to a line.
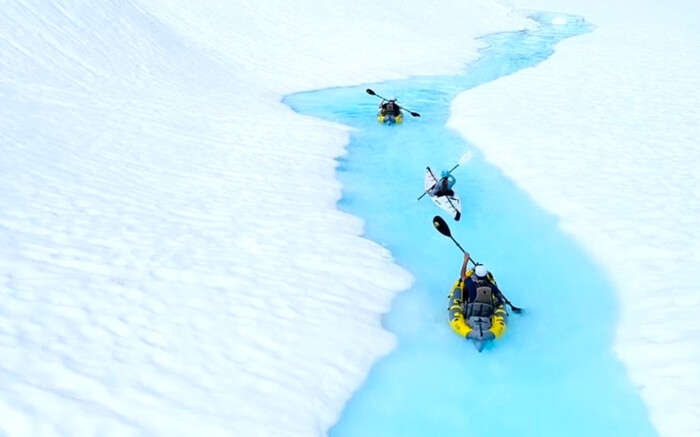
463,160
372,93
442,228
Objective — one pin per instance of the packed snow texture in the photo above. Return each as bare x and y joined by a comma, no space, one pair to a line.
171,258
606,134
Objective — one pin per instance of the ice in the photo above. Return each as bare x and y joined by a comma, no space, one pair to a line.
605,135
171,258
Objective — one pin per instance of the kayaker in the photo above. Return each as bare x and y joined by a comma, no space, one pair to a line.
479,284
444,185
390,107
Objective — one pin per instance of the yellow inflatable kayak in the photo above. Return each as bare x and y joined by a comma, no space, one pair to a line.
479,322
389,118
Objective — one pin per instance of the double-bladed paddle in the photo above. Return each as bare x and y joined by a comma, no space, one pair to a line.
463,160
442,228
372,93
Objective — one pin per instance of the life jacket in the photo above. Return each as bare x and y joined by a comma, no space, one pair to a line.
484,294
484,289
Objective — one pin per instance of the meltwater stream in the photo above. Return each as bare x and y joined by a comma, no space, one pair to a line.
553,373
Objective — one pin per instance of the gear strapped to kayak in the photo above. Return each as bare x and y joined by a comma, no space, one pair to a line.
447,199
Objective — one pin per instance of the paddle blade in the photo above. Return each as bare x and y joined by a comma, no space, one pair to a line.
465,158
441,226
415,114
370,92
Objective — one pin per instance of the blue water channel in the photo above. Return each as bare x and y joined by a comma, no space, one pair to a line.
554,372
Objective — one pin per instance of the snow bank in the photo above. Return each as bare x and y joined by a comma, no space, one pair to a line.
605,134
171,258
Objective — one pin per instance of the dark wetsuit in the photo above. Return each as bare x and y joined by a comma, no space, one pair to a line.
442,188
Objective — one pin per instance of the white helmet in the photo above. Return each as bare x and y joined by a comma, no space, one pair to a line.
480,271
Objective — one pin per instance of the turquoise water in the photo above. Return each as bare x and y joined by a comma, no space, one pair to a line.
554,373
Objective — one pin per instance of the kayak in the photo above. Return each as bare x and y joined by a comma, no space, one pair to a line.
479,322
389,118
451,203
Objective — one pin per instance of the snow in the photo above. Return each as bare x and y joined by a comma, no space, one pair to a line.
605,135
171,258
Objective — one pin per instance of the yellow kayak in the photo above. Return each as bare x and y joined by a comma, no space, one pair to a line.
475,321
389,118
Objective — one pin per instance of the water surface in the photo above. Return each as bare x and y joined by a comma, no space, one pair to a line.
554,373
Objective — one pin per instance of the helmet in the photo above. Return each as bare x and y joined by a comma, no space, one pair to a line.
480,271
444,173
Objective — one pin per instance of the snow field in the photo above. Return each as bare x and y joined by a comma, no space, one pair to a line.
172,261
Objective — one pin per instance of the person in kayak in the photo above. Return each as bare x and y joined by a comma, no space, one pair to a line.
479,285
390,107
444,185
